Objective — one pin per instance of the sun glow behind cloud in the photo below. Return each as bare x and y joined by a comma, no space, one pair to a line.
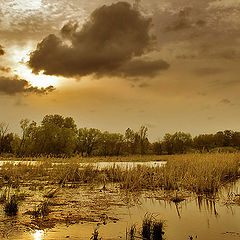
21,57
39,80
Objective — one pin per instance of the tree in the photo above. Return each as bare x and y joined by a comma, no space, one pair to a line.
131,141
57,135
143,140
3,132
88,140
157,148
24,125
110,144
167,143
179,142
204,142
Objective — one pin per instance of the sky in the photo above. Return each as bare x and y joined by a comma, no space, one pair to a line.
167,64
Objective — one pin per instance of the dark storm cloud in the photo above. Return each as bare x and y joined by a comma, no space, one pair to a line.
106,45
1,50
13,86
141,68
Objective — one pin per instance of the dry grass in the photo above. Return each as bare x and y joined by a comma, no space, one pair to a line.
200,173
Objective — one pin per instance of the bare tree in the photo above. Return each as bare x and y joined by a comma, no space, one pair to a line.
3,131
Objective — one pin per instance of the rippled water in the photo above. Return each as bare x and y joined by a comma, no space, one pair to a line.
206,219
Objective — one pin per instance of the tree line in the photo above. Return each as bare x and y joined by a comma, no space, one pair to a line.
59,136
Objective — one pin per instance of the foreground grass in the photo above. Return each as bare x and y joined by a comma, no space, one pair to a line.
200,173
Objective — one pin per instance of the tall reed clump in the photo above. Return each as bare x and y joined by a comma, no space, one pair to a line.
151,229
11,206
42,210
201,173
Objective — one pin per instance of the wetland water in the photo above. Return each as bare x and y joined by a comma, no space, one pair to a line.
97,164
112,212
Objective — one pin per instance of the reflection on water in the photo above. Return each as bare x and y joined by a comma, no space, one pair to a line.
208,218
38,235
207,204
99,165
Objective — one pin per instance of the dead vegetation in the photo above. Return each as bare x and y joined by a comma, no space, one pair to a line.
199,173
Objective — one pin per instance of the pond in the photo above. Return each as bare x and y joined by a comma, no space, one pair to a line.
199,217
99,165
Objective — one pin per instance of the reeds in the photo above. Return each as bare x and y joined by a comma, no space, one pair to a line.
151,229
42,210
200,173
11,206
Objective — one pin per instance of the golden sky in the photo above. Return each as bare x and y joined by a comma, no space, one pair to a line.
168,64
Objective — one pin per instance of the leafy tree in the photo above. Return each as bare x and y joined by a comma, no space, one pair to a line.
157,148
167,143
179,142
131,141
111,144
87,140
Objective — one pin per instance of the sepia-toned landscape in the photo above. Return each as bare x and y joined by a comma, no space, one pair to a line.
119,120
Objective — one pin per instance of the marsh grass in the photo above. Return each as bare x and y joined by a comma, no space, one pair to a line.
95,235
151,229
11,206
200,173
147,226
42,210
131,232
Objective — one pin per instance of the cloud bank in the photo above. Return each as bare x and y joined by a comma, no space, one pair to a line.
111,42
13,86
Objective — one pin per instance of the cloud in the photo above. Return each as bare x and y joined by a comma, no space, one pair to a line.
143,85
211,118
209,71
2,52
198,29
182,21
5,69
226,101
13,86
109,43
141,68
185,19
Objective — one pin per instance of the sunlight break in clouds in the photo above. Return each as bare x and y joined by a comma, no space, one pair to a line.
21,56
26,5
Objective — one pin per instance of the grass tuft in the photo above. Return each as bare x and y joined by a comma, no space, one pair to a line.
11,206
